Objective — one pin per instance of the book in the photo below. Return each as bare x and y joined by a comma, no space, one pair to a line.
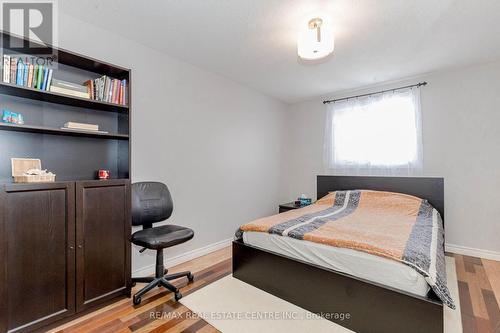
84,126
125,92
39,77
35,77
6,68
120,92
116,90
13,69
102,81
103,88
106,89
49,80
90,88
26,68
45,78
30,75
69,92
112,92
82,130
69,85
20,71
97,88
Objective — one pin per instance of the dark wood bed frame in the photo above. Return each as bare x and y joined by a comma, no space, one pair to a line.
370,307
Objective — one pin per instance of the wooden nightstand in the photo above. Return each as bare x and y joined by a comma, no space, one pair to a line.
288,206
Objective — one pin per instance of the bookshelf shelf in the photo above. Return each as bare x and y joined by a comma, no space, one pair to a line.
52,97
57,131
68,57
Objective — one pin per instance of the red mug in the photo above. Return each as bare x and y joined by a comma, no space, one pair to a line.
103,174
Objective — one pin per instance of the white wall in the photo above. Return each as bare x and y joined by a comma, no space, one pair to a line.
461,138
215,143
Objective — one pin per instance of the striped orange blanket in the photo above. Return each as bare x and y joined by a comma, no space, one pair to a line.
391,225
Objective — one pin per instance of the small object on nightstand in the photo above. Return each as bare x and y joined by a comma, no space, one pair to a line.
103,174
302,201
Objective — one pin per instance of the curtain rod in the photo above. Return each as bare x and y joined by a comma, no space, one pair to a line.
374,93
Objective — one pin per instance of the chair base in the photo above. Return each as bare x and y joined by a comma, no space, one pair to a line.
160,280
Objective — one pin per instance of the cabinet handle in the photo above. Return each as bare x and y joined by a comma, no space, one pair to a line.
71,247
80,246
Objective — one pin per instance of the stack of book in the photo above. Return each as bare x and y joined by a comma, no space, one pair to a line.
109,90
68,88
71,125
19,71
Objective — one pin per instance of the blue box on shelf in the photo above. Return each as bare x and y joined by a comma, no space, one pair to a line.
12,117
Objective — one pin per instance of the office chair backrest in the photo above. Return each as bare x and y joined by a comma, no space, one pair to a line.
151,203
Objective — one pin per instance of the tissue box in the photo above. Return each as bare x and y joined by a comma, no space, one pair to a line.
305,201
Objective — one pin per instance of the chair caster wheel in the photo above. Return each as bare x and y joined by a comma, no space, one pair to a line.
190,277
178,295
137,300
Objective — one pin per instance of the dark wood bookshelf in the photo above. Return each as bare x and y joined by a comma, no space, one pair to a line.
58,131
67,153
57,98
69,220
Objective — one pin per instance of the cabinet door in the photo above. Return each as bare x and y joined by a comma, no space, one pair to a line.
37,257
103,245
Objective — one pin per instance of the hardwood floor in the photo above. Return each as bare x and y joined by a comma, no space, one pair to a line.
479,287
478,281
158,312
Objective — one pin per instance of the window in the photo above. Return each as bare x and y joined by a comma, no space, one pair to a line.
377,134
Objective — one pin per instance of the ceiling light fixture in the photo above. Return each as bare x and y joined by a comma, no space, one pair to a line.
315,39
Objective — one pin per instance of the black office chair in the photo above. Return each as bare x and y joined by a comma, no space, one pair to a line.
152,203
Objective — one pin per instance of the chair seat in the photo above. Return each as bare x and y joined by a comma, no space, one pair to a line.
161,237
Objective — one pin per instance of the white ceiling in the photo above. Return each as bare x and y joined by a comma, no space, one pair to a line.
254,41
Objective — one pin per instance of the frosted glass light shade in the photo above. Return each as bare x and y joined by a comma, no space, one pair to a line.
315,40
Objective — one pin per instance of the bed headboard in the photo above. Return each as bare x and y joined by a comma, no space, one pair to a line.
431,189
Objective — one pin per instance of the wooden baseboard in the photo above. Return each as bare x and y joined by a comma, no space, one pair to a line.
170,262
469,251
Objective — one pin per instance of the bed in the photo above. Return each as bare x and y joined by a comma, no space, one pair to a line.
358,290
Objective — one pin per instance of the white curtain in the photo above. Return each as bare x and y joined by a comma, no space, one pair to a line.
375,135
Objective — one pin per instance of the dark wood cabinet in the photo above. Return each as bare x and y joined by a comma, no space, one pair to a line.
64,248
37,255
103,258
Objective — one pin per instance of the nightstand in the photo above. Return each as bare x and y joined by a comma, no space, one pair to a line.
288,206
